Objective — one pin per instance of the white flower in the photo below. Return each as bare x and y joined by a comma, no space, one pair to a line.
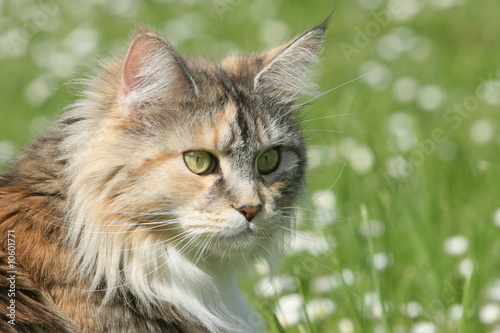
269,287
430,97
325,204
496,217
481,131
379,76
413,309
389,47
444,4
404,10
456,311
38,90
315,244
466,267
397,167
325,284
348,276
424,327
373,306
346,326
273,32
262,268
405,88
320,308
289,310
456,245
346,146
324,200
361,159
402,136
380,261
489,313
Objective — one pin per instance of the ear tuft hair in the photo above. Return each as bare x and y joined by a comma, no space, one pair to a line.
284,77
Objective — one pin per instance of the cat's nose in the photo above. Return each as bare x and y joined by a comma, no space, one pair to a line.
249,212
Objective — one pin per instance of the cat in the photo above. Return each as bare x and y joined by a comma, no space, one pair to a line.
137,209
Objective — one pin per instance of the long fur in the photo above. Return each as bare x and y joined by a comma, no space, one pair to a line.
137,242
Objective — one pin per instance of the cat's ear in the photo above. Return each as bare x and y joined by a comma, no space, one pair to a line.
153,73
284,75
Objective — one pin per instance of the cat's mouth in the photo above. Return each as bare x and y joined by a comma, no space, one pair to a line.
227,240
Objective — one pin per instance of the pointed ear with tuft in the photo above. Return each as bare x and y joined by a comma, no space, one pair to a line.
284,76
153,73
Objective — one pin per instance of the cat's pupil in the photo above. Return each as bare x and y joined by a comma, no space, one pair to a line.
268,161
200,162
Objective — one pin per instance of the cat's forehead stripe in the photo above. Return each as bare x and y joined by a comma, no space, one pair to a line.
225,131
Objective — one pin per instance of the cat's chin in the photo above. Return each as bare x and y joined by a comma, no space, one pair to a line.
232,243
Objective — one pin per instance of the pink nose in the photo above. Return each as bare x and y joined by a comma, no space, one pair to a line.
249,212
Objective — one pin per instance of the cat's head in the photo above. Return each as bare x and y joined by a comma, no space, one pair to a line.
207,156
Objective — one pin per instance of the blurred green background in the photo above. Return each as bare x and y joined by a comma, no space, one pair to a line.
401,230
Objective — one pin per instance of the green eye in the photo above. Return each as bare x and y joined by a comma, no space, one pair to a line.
200,162
268,161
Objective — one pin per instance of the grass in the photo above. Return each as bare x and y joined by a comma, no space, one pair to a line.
407,250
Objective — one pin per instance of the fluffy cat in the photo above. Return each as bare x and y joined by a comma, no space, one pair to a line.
137,209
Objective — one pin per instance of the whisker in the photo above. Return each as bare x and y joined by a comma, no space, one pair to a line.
322,94
326,117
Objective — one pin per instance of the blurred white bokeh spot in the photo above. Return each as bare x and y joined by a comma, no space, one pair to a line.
389,47
269,287
82,40
424,327
361,159
455,311
430,97
489,313
273,32
381,261
456,245
345,325
466,267
413,309
320,308
326,283
289,310
496,217
397,167
406,10
405,88
378,76
41,88
482,131
348,276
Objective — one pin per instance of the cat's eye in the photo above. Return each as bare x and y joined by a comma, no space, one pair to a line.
200,162
268,161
